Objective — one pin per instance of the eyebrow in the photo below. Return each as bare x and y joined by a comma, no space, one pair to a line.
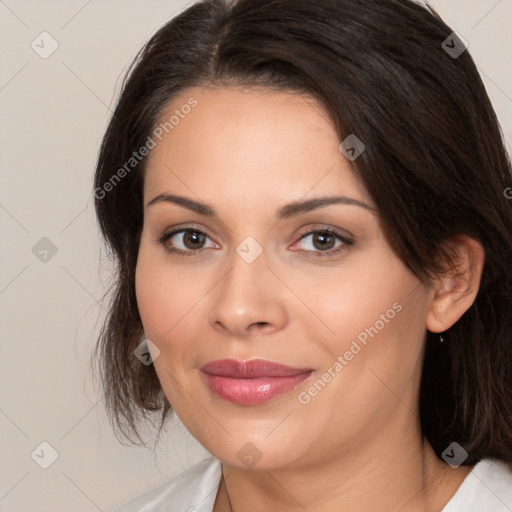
290,210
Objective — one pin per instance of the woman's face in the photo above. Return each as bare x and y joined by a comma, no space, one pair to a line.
256,281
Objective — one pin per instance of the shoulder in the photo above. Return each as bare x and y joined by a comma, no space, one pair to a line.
488,487
194,490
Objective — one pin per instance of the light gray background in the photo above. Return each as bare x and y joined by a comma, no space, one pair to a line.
53,113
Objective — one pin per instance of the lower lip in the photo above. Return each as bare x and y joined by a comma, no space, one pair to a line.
252,391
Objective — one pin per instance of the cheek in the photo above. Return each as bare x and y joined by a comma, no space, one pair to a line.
168,299
167,294
372,364
373,317
379,339
346,302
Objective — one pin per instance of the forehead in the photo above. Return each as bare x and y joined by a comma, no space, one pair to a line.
261,142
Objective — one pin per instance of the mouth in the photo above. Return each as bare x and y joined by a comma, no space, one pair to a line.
252,382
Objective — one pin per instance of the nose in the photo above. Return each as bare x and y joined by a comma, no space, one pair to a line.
248,299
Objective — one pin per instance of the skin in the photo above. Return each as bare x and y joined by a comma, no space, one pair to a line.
356,446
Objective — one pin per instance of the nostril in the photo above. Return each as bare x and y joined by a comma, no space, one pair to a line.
261,327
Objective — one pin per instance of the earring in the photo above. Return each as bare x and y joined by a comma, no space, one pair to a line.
441,340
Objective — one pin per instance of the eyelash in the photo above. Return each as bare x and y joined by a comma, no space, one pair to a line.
346,243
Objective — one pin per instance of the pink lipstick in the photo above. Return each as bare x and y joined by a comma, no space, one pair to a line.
251,382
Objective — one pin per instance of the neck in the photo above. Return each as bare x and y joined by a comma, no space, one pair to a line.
393,473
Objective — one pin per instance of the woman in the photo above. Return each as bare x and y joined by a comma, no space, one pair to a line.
307,203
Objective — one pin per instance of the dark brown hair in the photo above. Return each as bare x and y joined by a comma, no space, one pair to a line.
435,165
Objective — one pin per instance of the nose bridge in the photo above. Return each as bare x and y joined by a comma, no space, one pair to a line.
244,284
247,294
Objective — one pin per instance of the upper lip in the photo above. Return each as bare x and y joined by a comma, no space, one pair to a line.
251,369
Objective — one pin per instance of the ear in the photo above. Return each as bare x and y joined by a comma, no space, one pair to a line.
452,293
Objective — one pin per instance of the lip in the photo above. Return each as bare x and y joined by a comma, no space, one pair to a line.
254,368
251,382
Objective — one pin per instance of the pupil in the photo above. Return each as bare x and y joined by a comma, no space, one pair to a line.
193,238
326,239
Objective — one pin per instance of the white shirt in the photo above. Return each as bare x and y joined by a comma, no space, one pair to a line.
487,488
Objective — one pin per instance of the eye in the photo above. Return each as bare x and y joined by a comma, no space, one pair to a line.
185,241
323,242
191,241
